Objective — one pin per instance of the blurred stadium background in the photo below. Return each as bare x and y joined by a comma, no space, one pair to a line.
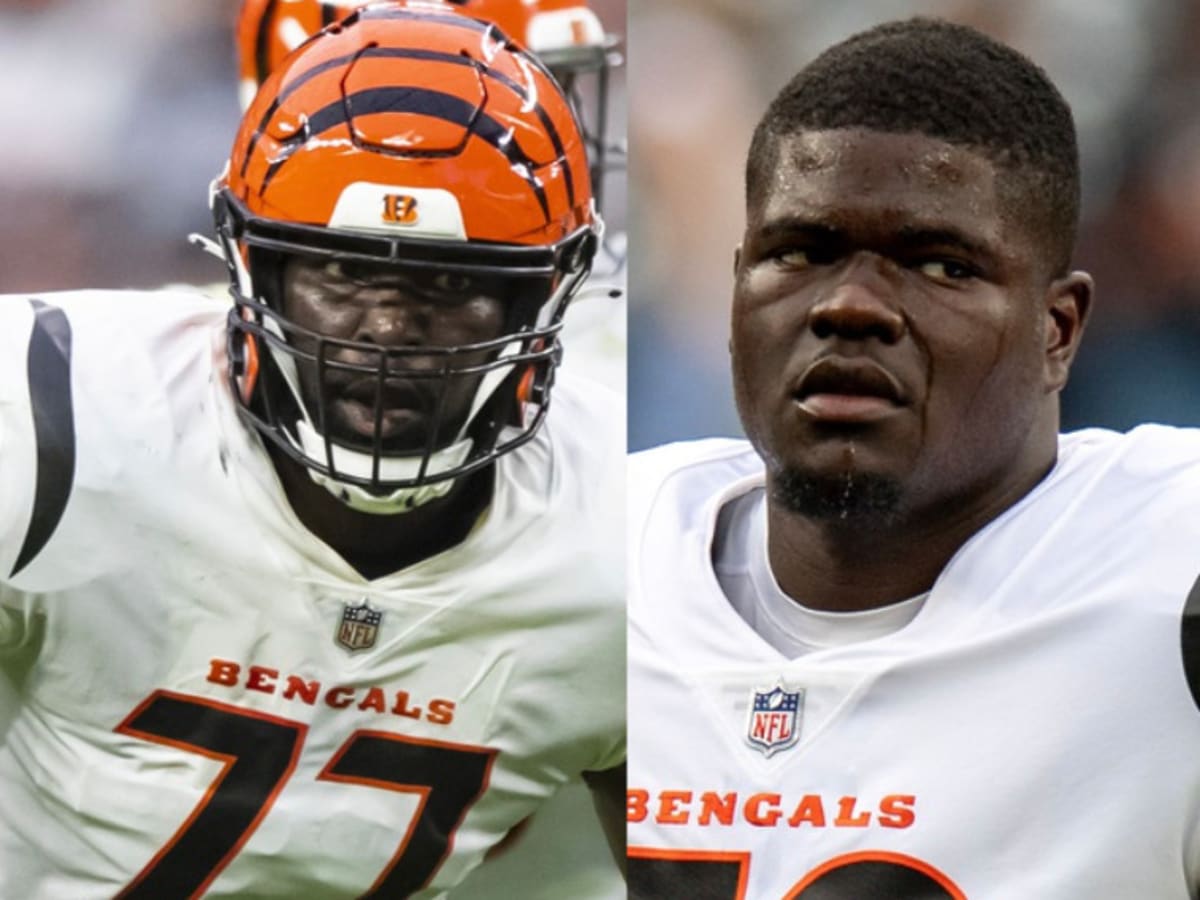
703,71
117,114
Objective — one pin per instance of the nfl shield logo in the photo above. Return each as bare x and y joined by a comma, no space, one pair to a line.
774,721
359,626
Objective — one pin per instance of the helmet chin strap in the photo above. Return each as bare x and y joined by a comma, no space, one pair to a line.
391,468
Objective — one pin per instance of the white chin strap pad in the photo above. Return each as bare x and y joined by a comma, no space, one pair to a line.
391,468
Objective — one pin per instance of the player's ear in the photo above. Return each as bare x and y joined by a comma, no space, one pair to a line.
1067,304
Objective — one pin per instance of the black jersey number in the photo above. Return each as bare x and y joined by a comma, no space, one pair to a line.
259,752
699,875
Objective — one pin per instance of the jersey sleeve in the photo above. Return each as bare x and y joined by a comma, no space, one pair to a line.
20,339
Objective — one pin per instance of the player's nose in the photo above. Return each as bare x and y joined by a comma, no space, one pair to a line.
859,302
394,316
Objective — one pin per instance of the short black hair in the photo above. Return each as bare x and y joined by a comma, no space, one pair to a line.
949,82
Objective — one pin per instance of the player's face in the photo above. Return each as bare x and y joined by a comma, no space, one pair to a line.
391,309
889,319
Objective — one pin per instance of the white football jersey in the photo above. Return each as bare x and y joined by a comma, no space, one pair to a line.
1032,733
209,699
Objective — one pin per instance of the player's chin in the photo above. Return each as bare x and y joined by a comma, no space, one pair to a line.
864,498
817,469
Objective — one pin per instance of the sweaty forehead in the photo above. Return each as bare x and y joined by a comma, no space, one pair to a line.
820,171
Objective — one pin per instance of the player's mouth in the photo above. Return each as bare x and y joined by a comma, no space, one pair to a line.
392,394
842,389
398,410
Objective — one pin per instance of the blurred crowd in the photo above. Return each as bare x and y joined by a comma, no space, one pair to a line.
116,116
703,71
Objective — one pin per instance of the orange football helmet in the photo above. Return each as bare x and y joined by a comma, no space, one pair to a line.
564,34
414,138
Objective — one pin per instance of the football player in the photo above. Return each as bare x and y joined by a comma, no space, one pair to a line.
310,596
567,36
908,641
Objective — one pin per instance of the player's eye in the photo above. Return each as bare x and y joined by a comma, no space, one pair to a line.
346,272
332,280
947,270
453,282
794,257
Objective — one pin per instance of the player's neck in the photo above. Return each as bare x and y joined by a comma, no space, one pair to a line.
846,566
377,545
823,567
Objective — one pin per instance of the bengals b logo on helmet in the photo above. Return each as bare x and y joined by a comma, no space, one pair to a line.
400,209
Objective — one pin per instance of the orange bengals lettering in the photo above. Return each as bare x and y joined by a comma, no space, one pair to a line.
438,711
769,810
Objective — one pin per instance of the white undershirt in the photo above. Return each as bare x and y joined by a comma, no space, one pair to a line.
744,572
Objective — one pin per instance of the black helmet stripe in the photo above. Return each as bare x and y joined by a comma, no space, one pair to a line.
432,56
455,20
329,14
465,20
284,93
502,78
423,101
